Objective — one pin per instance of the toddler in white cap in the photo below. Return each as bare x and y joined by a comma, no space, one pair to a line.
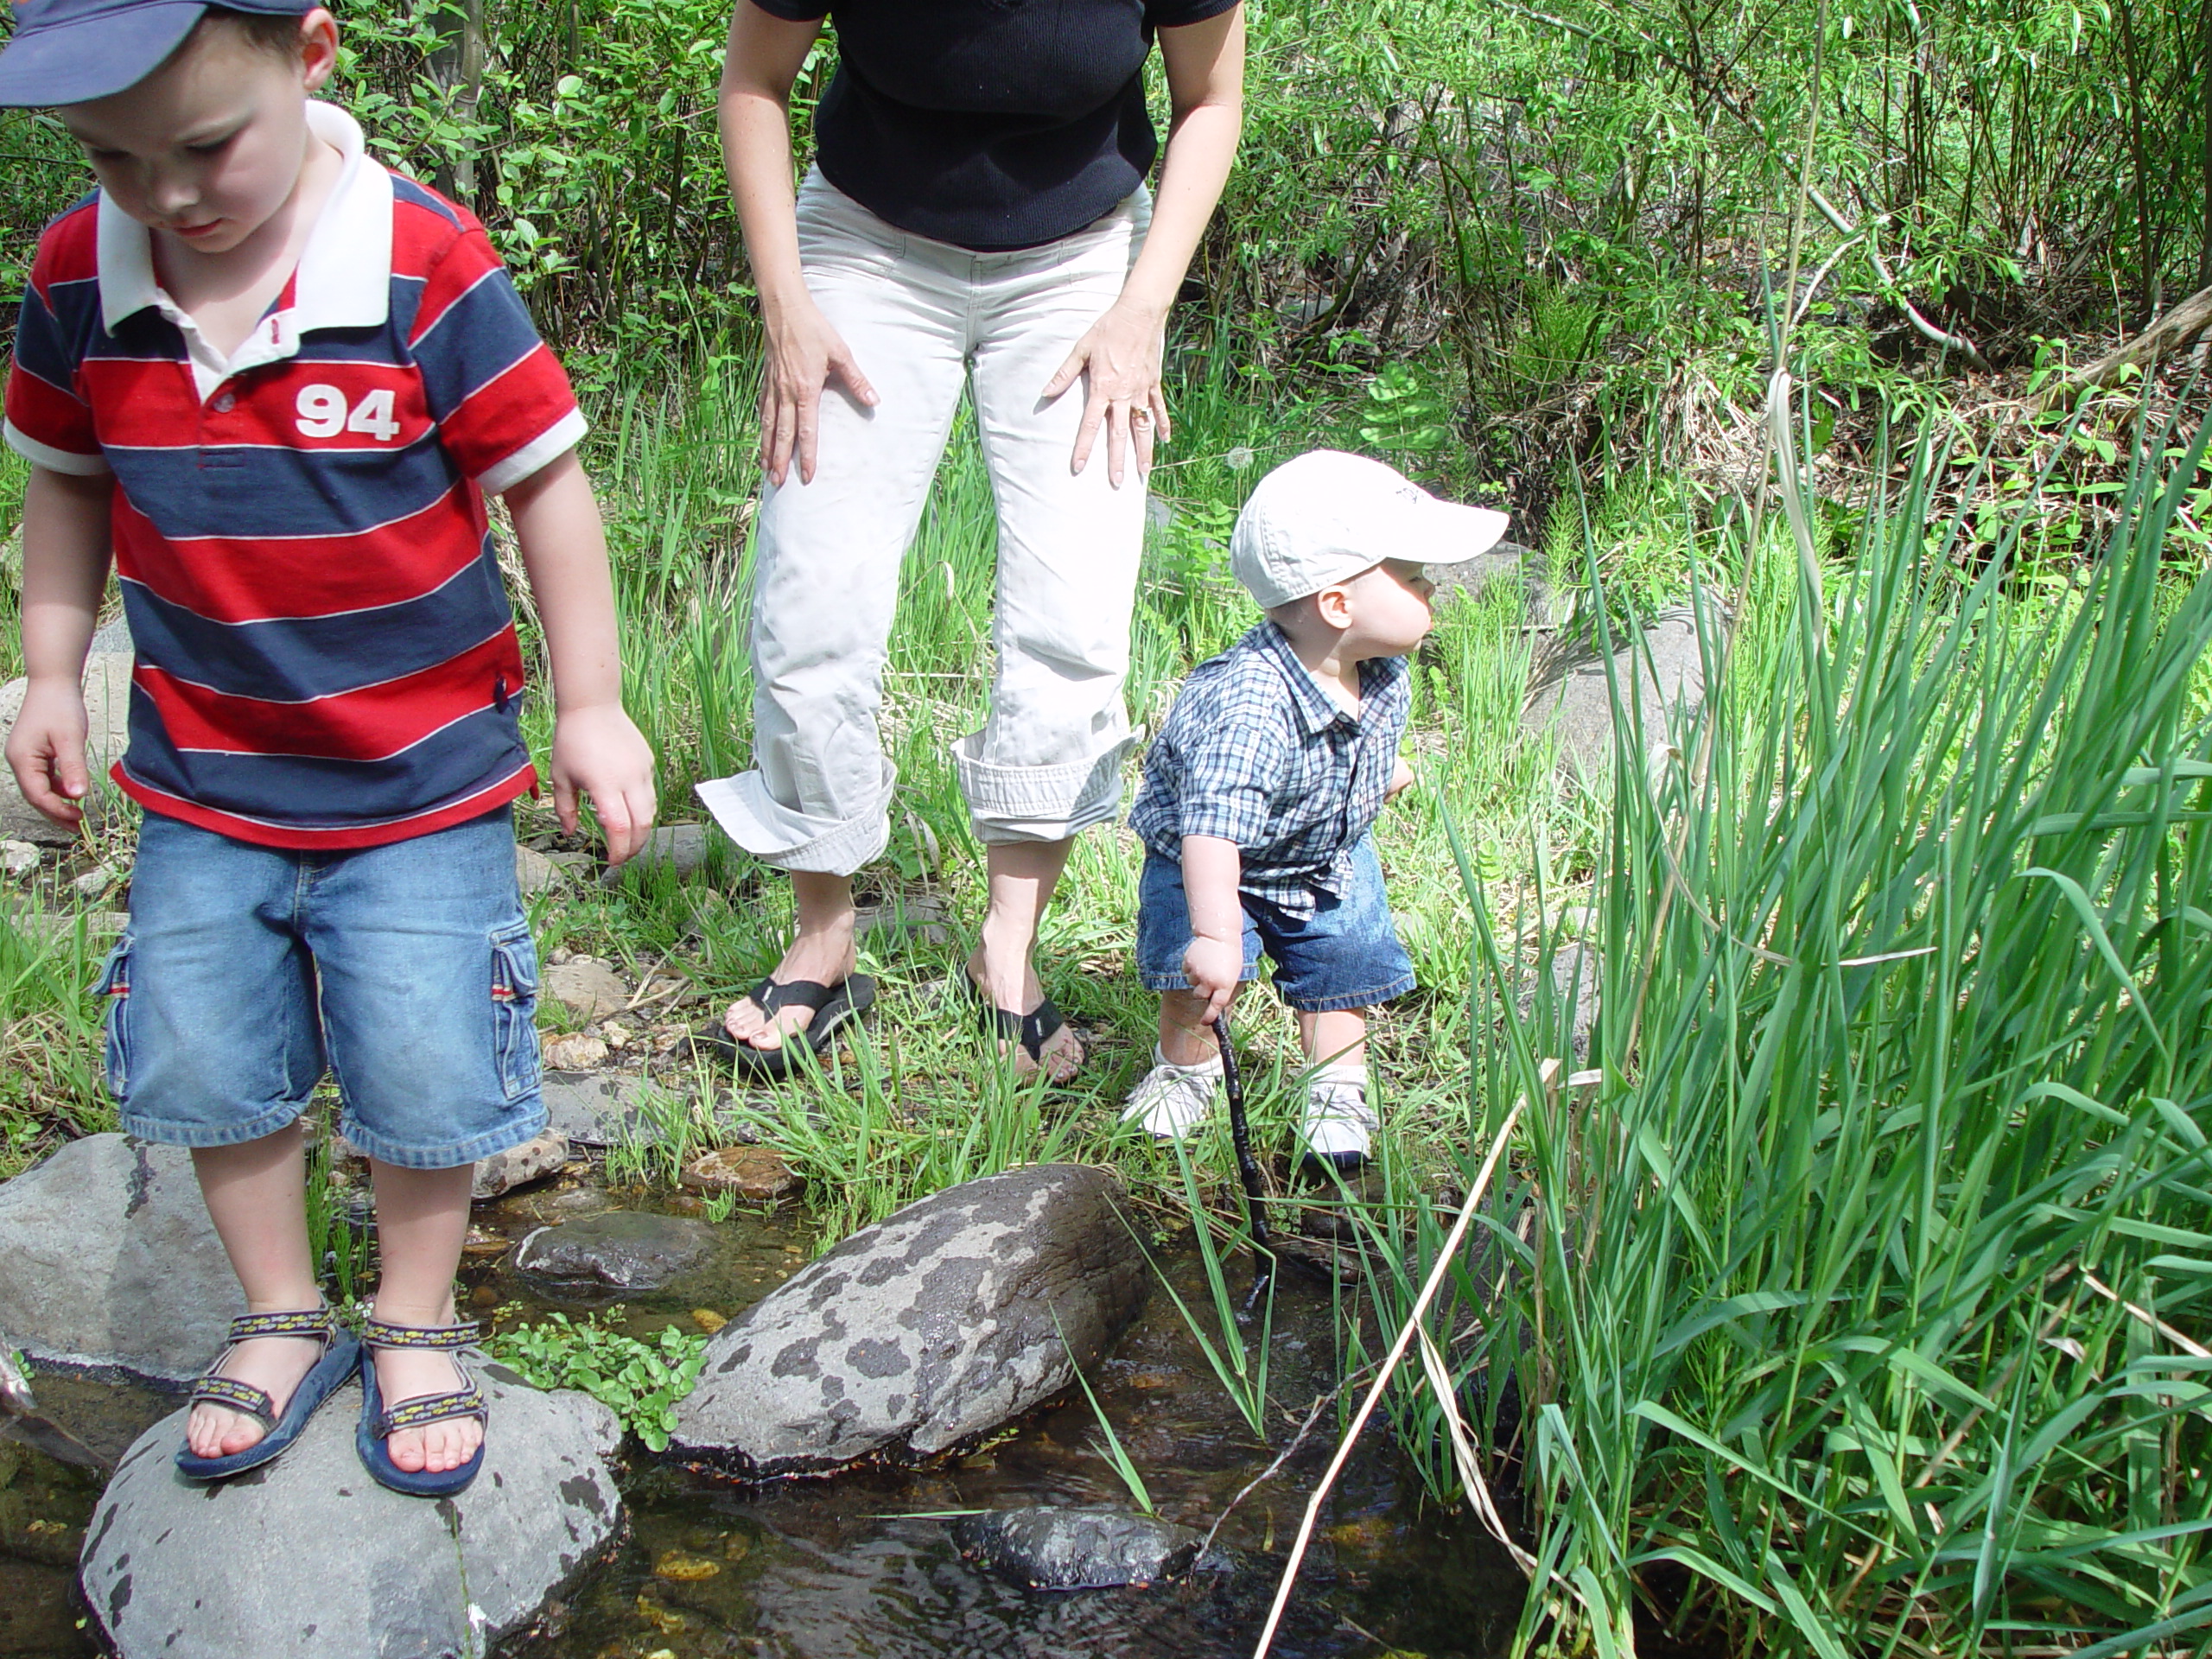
1260,791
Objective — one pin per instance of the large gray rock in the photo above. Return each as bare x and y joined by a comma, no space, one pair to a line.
309,1558
107,1258
1570,695
620,1249
1049,1549
1577,976
934,1325
107,713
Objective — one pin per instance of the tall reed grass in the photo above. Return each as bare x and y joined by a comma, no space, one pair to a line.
1863,1308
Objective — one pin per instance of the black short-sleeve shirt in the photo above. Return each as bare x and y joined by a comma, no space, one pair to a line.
989,123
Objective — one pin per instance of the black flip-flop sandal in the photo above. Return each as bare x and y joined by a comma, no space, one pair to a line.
832,1005
1032,1030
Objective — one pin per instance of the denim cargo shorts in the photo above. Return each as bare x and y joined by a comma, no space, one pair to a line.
1345,955
406,970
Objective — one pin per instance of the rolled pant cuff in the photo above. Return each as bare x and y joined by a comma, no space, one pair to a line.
789,840
1016,803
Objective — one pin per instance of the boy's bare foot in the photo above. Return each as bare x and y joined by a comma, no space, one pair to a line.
273,1365
404,1374
825,955
1019,991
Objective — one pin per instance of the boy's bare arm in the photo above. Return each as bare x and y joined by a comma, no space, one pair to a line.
66,554
1211,869
1402,780
596,749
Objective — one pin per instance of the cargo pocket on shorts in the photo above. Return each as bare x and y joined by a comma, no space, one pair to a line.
514,1009
115,991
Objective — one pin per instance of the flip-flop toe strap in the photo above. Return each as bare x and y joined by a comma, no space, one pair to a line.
234,1395
772,996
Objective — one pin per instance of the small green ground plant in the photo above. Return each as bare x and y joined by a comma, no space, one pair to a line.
641,1381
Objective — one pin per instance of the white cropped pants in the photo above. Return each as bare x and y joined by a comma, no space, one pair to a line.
924,319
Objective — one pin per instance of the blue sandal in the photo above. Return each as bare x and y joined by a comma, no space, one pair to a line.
341,1358
466,1401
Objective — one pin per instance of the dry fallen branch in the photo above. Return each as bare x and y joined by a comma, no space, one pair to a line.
2177,327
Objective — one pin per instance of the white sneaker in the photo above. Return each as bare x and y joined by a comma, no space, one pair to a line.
1170,1101
1339,1125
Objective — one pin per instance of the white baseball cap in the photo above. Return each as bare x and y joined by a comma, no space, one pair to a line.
1323,516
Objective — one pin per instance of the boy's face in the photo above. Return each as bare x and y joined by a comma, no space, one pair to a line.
209,146
1388,605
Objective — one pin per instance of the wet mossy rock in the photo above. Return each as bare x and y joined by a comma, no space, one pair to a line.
309,1558
933,1327
107,1258
620,1249
1051,1548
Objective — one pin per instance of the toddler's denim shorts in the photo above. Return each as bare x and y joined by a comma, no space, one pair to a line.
407,971
1345,955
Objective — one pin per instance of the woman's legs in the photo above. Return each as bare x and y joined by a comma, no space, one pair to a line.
1048,763
826,585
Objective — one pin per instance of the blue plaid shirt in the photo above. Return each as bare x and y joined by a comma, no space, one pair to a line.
1256,752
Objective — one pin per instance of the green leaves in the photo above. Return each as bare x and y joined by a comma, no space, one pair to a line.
642,1381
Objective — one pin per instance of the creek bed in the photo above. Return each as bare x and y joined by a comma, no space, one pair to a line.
863,1563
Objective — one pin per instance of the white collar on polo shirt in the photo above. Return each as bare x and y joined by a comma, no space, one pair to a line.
344,279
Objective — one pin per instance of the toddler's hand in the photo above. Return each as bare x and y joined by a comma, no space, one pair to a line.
1212,966
597,751
47,750
1402,780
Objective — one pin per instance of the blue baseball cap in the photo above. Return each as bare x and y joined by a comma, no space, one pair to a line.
71,51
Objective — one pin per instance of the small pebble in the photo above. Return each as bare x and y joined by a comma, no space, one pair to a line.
18,857
559,956
97,880
679,1568
617,1034
708,1320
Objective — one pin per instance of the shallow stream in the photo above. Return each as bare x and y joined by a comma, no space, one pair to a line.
864,1564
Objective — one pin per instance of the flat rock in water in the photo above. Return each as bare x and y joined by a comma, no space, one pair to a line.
533,1161
933,1327
622,1249
593,1109
1049,1549
1571,696
309,1558
107,1258
107,709
755,1173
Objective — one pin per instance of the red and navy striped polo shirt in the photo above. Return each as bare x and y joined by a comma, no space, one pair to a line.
325,656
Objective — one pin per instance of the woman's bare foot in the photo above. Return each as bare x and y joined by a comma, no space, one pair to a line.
273,1365
823,952
1019,991
404,1374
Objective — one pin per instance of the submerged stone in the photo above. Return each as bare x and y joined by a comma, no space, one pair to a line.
622,1249
308,1557
935,1325
1050,1548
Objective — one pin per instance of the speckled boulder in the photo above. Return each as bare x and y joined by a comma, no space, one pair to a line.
308,1558
933,1327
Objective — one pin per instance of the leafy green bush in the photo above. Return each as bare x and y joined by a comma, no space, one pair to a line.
641,1381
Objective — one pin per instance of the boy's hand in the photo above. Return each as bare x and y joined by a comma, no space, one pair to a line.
1212,966
597,751
1402,780
45,750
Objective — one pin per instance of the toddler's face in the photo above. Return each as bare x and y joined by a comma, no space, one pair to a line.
209,146
1390,605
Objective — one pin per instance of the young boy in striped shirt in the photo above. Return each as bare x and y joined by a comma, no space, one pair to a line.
273,382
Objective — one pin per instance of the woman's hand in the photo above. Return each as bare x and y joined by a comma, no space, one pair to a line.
1119,352
803,352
